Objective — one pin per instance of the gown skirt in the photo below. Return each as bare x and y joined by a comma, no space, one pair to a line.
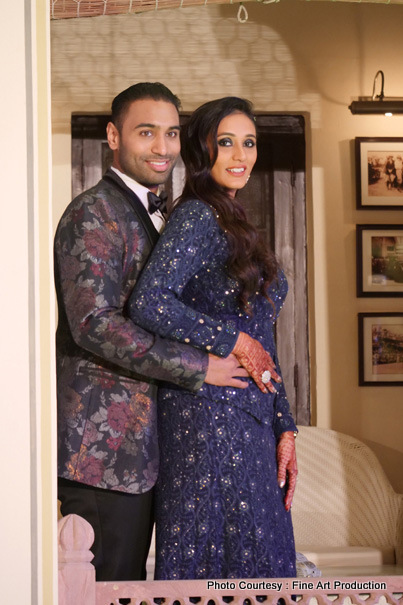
220,512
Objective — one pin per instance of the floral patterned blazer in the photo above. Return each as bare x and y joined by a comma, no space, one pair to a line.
107,367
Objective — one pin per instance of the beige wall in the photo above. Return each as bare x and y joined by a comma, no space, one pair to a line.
292,56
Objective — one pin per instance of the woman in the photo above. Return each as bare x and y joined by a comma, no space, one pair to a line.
222,499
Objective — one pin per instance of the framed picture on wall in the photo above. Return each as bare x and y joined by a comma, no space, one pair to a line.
379,180
380,337
379,260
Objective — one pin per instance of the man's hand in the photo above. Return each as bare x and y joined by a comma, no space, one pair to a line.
225,372
287,465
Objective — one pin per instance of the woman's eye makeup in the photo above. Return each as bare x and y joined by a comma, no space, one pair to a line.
225,142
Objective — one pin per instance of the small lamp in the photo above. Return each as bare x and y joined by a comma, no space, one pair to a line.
377,104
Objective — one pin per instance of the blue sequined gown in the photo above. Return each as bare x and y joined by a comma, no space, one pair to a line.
219,510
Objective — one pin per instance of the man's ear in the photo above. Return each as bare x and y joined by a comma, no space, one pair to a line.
112,135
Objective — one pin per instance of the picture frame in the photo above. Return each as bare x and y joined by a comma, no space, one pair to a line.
379,260
379,167
380,338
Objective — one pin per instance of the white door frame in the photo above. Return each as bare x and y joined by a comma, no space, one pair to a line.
28,558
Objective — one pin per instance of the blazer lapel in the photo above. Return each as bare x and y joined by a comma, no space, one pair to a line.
112,178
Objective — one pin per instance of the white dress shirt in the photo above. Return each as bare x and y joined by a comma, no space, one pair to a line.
141,192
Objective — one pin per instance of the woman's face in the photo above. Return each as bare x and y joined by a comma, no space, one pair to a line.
236,144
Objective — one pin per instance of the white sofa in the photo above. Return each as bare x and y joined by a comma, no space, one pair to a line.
347,518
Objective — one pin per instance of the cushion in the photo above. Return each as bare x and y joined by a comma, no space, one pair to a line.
345,556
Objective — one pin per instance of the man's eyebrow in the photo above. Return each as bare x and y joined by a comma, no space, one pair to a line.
145,125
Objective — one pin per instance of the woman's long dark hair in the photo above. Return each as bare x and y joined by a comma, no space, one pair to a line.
250,261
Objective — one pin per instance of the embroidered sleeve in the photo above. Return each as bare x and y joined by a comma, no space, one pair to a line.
283,420
183,250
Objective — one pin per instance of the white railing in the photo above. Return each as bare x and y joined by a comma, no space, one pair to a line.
77,585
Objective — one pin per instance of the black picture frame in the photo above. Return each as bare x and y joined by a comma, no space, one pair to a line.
379,260
376,187
380,349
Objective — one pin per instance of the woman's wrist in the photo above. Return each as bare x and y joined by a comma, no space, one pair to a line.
289,433
239,343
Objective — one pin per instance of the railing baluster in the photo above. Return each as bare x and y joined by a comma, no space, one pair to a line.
76,573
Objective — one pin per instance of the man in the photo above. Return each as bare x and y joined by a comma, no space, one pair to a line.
107,367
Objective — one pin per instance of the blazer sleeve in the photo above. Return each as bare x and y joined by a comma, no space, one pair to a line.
183,249
91,273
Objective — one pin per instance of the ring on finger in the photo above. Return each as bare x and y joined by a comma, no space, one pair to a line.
266,376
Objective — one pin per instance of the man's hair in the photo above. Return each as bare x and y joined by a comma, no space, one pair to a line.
136,92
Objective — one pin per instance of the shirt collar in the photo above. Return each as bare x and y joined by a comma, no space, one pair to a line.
138,189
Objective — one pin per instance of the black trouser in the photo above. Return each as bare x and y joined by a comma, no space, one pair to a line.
122,525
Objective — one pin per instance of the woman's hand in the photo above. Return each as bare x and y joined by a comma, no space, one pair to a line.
258,362
287,465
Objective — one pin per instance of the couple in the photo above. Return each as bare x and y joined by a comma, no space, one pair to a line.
195,320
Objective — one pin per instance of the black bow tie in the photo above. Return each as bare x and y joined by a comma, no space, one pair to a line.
156,202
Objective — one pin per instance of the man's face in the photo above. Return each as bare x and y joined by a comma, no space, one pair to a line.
147,144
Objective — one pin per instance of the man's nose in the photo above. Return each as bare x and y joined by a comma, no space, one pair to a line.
159,145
